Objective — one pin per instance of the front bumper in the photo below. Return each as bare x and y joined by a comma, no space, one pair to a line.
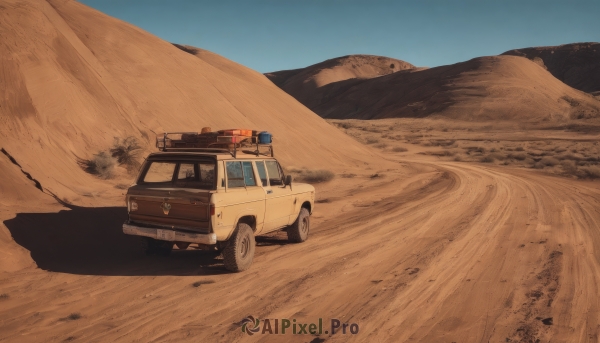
170,235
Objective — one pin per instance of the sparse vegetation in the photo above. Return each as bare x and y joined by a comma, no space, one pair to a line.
4,296
72,316
200,283
348,175
381,145
102,165
124,152
127,152
312,176
399,149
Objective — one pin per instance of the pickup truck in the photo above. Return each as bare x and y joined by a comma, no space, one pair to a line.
215,200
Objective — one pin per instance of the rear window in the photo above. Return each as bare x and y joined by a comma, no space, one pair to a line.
180,174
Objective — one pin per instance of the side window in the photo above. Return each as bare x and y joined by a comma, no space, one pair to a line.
262,172
274,173
249,174
186,173
160,172
235,175
207,173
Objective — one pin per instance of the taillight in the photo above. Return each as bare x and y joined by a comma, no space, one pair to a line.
133,206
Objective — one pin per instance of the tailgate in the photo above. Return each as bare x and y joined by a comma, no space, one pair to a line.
172,207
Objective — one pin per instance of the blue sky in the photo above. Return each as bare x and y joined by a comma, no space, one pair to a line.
269,35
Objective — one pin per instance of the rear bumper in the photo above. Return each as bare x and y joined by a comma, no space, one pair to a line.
170,235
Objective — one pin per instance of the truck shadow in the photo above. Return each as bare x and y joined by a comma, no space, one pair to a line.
89,241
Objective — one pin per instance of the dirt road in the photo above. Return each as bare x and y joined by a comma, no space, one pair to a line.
428,252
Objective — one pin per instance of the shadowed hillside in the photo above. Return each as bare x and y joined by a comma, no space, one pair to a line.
577,65
72,79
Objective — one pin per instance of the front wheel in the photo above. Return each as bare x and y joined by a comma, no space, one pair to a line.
298,232
239,253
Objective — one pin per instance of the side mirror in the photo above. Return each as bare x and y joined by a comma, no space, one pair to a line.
288,181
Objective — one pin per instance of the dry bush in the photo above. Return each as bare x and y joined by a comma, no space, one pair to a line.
569,167
520,156
399,149
102,165
440,153
127,152
344,125
371,140
589,172
519,148
443,142
488,159
477,149
312,176
549,161
381,145
458,158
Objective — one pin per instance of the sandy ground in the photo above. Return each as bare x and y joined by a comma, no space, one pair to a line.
429,250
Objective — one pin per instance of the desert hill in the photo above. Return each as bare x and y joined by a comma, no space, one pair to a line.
577,65
304,84
485,88
72,79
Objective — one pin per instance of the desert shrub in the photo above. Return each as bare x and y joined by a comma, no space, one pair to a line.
477,149
458,158
4,296
313,176
488,159
344,125
102,165
381,145
399,149
127,152
443,142
519,148
72,316
440,153
569,167
372,140
548,161
591,172
520,156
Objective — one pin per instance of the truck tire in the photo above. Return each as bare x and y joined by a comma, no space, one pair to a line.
298,232
239,252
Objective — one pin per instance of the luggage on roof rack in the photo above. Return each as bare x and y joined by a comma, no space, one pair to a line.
220,141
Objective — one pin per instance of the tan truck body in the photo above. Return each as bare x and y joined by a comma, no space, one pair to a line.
180,214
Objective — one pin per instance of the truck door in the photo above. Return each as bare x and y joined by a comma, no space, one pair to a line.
278,198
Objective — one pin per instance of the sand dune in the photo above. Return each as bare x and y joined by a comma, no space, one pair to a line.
485,88
73,78
577,64
304,84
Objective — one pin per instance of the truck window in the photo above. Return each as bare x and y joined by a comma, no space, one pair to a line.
240,174
196,175
235,175
262,172
249,174
160,172
274,173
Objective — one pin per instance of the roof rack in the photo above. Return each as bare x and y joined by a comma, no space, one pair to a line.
212,142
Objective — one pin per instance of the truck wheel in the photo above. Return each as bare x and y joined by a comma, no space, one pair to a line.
239,253
298,232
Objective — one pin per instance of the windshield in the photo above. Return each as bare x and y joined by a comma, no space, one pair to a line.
180,174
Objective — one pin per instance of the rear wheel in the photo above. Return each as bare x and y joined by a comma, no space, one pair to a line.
298,232
239,253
